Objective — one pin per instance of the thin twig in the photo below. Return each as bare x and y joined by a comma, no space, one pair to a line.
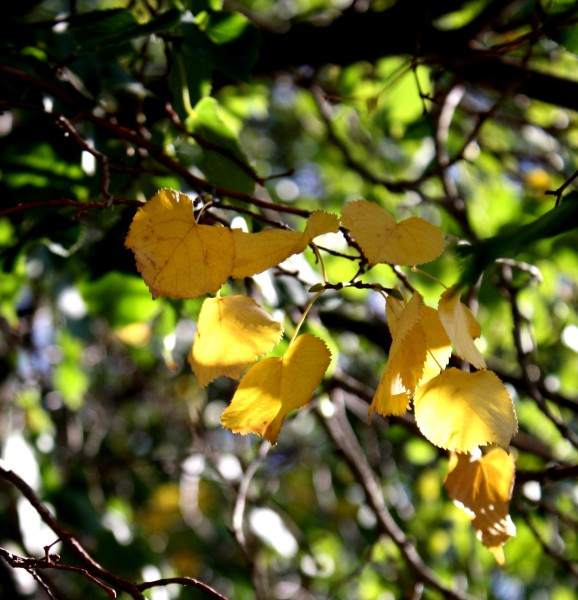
100,158
184,581
32,565
92,569
225,152
350,161
80,206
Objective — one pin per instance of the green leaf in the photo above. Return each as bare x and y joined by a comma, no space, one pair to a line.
104,28
121,299
69,377
556,221
224,41
188,85
221,162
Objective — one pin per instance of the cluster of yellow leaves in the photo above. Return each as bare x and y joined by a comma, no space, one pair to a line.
181,258
456,410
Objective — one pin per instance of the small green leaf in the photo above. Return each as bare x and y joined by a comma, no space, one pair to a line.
105,28
222,157
316,288
224,41
121,299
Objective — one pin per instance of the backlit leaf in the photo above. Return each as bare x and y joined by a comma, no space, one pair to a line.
408,349
391,396
407,356
410,242
257,252
459,411
232,332
461,326
274,387
176,256
439,347
221,156
393,309
482,486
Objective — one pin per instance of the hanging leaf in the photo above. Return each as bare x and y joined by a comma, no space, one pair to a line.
439,346
232,332
274,387
459,411
482,486
411,242
393,309
176,256
407,356
461,326
391,396
257,252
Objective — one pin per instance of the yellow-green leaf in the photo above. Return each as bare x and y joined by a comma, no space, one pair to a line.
407,356
459,411
410,242
257,252
461,327
439,346
408,350
318,223
176,256
482,486
391,396
232,332
274,387
393,309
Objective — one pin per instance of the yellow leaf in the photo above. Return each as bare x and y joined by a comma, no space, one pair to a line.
274,387
232,332
483,488
459,411
391,396
175,256
134,334
318,223
407,356
419,351
257,252
408,348
439,346
461,326
410,242
393,309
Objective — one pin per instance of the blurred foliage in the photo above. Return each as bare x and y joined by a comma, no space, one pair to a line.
103,102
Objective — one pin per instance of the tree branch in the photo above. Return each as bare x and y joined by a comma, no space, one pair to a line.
92,569
345,441
408,29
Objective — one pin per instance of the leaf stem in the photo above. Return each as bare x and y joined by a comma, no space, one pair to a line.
321,263
185,95
426,274
304,315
